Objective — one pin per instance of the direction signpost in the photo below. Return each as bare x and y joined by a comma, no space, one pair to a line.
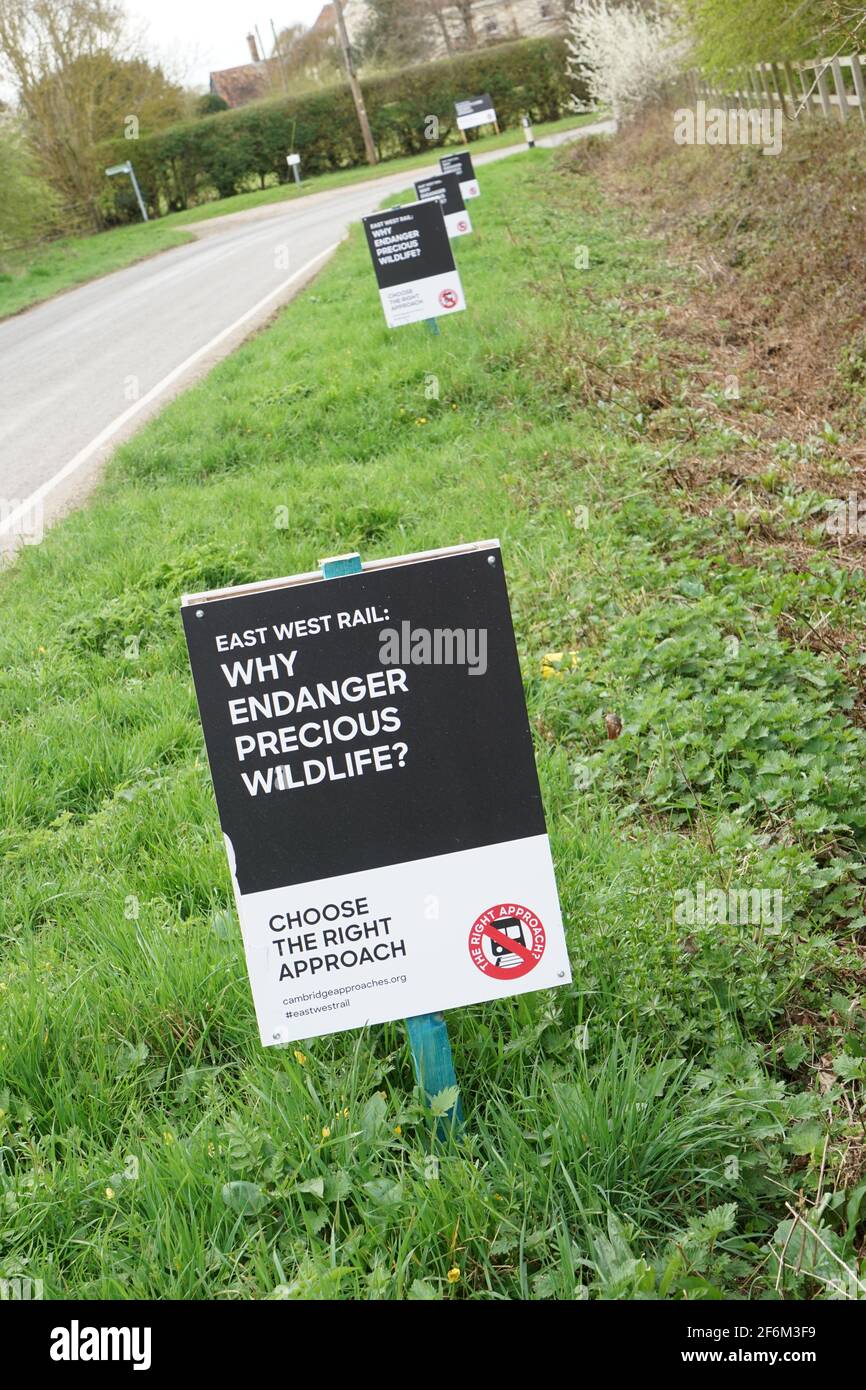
445,190
374,774
126,168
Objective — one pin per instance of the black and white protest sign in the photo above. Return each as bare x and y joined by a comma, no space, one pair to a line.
445,190
461,165
374,773
475,111
414,263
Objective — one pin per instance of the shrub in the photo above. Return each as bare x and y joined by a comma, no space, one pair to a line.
223,153
622,54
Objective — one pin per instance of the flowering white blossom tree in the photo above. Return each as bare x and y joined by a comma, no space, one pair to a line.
622,53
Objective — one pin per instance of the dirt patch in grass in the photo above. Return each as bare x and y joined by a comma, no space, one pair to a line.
778,247
767,347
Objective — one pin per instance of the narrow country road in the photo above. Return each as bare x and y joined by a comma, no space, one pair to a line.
81,372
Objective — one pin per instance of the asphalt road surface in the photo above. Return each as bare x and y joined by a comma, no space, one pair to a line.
81,372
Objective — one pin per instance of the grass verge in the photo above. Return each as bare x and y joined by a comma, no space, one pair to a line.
30,276
637,1133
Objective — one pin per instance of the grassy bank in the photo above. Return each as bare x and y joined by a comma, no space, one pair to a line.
33,275
639,1132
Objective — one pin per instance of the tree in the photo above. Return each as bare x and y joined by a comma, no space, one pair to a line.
394,33
761,30
49,49
28,206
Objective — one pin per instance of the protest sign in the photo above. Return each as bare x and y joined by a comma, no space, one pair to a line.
374,773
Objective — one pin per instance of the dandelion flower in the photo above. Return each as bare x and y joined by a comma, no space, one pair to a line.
300,1058
109,1192
326,1133
453,1275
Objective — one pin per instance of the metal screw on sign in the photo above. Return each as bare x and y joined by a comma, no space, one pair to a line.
428,1033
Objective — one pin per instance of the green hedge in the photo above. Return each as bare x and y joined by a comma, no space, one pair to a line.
225,153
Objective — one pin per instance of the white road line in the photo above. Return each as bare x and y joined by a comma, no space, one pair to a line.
10,522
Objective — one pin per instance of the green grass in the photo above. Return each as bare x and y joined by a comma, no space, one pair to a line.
636,1133
30,276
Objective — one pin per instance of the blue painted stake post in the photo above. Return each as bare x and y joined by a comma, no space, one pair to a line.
428,1033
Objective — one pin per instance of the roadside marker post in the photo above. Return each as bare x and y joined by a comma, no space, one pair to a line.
527,131
294,162
126,168
428,1033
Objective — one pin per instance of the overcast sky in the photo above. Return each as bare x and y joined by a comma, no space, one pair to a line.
192,37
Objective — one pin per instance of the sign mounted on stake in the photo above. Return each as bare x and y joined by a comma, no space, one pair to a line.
475,111
374,773
414,264
461,165
445,190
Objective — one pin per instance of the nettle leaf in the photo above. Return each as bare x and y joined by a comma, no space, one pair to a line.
850,1068
338,1185
384,1191
422,1289
794,1053
315,1187
245,1198
374,1115
444,1100
805,1138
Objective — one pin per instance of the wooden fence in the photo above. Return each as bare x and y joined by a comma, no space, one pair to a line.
832,87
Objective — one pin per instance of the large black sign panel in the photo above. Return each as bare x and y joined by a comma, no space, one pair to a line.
374,773
415,271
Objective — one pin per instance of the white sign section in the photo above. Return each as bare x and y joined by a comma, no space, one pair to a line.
374,773
445,189
414,264
475,111
461,165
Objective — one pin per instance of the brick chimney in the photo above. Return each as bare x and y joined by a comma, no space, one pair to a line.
254,48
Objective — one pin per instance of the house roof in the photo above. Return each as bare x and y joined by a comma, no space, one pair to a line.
249,82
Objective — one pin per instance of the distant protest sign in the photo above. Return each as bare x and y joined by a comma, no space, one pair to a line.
445,189
414,264
374,773
475,111
461,165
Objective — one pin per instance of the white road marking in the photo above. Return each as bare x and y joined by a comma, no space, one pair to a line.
10,522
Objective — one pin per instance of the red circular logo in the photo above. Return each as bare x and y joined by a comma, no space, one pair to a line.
462,225
506,941
448,299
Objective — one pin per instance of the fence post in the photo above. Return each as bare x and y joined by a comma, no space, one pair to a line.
823,89
857,75
841,89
